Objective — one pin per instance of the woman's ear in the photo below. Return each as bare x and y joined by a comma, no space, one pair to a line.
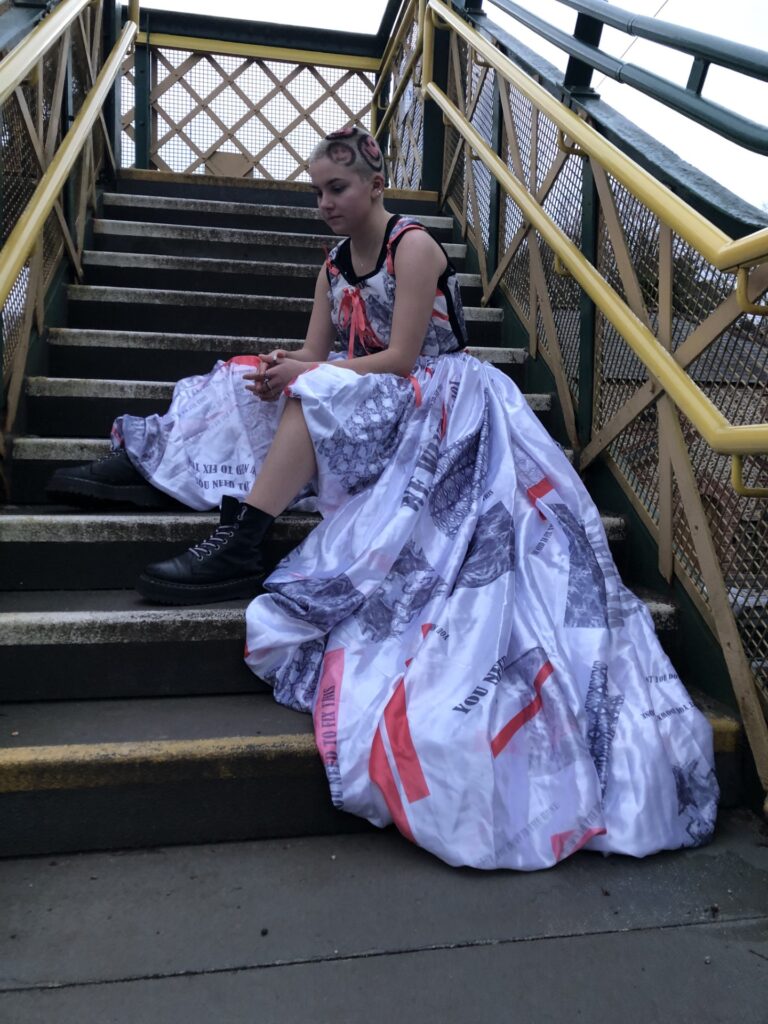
377,185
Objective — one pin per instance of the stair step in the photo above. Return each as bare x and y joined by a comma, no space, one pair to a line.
137,270
130,773
221,213
131,181
73,406
63,551
180,239
78,645
108,774
83,353
143,309
106,644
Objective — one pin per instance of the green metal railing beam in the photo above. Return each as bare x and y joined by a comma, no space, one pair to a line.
688,101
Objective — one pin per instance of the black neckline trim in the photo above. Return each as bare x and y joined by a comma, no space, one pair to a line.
343,258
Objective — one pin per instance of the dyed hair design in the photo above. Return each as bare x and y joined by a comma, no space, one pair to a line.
351,147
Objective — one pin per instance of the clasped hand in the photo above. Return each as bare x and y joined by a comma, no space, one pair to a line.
274,374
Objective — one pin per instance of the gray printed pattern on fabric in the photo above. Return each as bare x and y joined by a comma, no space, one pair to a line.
694,791
376,295
361,448
459,480
602,713
551,733
491,552
321,602
148,437
527,471
295,684
408,586
553,738
586,602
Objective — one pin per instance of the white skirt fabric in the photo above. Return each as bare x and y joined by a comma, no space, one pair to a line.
210,442
476,670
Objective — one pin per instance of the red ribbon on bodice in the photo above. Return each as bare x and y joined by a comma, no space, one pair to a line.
352,314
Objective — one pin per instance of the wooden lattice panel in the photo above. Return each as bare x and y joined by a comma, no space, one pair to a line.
207,109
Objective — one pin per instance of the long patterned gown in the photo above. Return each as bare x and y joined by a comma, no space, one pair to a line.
477,672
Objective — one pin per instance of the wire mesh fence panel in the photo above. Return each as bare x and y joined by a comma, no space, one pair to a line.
127,112
563,205
516,280
34,122
405,132
454,157
482,120
725,352
239,115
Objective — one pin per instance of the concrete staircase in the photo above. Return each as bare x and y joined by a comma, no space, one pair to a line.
124,724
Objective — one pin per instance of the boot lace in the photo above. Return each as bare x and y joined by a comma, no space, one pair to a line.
221,536
113,453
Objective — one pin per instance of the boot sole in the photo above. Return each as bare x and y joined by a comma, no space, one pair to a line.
165,592
138,495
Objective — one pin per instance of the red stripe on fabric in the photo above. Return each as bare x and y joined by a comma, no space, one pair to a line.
559,840
443,423
416,389
325,715
380,773
439,315
539,490
502,738
245,361
246,652
425,628
403,750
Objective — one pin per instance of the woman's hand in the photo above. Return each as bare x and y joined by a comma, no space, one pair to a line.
274,374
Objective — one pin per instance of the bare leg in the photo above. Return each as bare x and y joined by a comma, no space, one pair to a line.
289,465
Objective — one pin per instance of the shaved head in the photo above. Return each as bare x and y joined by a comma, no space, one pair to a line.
354,148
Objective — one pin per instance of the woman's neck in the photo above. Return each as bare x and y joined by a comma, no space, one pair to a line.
365,243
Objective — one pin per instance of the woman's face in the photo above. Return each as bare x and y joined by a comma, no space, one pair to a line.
344,199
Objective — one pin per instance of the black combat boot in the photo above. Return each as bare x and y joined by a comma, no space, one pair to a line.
229,564
111,478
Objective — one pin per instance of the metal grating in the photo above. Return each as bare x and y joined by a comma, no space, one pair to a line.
406,129
244,116
31,125
563,205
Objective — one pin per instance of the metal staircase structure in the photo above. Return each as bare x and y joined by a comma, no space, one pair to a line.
128,725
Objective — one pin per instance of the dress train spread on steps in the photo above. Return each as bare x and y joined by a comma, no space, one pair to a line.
477,672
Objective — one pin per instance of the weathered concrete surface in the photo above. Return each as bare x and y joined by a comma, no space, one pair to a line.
368,928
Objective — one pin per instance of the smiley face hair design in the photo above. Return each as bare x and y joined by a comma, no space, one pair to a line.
351,147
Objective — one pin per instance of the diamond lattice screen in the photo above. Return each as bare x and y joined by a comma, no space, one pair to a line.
242,116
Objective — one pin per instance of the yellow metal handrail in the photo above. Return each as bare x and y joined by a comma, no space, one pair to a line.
388,59
723,252
22,59
720,435
235,48
30,224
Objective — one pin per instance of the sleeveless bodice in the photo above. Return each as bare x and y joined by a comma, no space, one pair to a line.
362,307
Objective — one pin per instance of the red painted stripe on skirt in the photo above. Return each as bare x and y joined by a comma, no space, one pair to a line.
502,738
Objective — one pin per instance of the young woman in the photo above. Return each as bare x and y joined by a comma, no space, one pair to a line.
476,670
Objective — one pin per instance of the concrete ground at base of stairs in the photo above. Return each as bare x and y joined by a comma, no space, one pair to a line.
366,928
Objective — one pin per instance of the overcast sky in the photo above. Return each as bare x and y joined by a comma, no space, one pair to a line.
744,21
